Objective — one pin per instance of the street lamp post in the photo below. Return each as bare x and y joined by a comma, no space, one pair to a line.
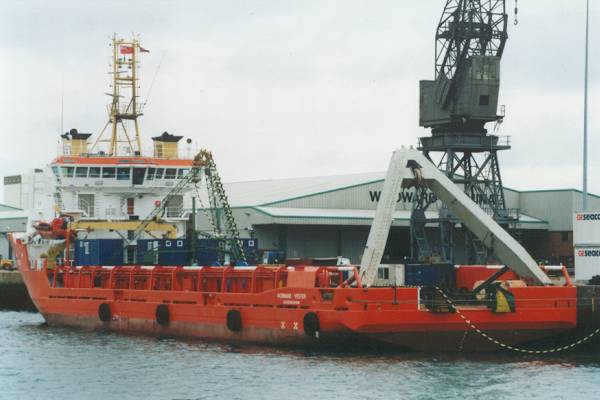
585,109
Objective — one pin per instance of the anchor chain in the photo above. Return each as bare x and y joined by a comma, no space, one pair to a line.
507,346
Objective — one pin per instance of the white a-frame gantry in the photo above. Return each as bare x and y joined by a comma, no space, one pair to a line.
409,167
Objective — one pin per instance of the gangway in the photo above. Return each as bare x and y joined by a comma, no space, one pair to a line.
408,168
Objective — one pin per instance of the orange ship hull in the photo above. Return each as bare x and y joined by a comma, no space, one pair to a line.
282,306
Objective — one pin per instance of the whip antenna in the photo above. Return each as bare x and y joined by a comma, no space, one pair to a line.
162,57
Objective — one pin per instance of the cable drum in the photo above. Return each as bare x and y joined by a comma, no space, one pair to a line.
162,315
311,324
104,312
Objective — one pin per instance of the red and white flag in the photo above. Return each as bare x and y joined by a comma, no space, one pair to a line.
126,50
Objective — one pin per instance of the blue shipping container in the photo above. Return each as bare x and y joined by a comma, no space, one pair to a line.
174,252
251,250
99,252
147,251
443,275
207,251
178,251
163,252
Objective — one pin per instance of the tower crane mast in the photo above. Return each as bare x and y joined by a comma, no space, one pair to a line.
463,97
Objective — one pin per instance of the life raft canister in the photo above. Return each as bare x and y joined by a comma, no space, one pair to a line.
311,324
234,320
162,315
104,312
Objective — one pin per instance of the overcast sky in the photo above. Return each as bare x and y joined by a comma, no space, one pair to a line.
291,88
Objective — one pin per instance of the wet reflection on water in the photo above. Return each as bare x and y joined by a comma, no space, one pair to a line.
41,362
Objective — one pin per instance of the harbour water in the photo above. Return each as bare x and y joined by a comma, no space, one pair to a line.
41,362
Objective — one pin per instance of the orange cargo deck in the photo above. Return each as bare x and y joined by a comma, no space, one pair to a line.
281,305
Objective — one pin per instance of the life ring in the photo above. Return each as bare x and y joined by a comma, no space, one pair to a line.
234,320
162,315
104,312
311,324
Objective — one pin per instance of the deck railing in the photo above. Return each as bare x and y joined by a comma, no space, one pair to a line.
193,279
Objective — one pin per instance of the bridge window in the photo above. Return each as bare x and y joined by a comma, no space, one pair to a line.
108,172
95,172
138,176
67,172
182,173
81,172
151,172
159,173
170,173
123,174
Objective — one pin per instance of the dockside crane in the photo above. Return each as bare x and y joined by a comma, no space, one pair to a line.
469,44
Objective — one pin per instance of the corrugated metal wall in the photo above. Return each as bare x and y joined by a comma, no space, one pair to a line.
555,206
300,241
316,241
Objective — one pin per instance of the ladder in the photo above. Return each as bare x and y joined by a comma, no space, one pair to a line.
219,201
417,225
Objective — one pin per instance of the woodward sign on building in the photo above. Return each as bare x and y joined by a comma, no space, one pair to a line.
330,216
586,244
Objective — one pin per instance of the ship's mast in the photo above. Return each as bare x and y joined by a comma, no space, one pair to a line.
124,105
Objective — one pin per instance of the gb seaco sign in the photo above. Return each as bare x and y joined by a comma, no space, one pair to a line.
587,263
586,228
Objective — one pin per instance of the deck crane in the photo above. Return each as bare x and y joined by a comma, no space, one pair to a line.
218,201
202,165
409,168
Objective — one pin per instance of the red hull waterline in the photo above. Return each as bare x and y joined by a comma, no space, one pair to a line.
281,306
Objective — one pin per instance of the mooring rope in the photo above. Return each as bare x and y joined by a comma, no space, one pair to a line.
507,346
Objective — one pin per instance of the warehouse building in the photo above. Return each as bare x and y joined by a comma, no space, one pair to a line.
330,216
12,219
25,195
